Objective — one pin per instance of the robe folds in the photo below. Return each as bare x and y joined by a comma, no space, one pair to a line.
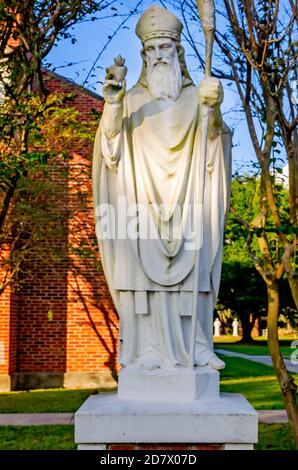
149,224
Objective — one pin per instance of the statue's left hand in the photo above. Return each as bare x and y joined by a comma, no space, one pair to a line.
210,92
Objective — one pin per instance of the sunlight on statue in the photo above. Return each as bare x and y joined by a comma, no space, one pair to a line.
147,151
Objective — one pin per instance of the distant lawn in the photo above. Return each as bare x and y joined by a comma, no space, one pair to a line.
258,339
44,401
271,437
226,339
257,349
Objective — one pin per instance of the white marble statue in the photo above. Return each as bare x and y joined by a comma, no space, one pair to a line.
235,326
147,163
217,327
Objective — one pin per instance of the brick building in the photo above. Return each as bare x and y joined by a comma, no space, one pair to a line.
60,329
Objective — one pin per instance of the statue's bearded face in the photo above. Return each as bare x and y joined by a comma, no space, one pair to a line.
164,74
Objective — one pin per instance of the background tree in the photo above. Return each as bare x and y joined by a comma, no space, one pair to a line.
259,49
28,115
38,214
242,290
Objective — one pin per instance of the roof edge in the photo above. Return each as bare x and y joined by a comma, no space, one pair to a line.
71,82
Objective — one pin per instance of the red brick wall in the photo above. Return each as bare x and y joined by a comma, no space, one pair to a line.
13,333
42,343
8,332
4,331
80,333
91,321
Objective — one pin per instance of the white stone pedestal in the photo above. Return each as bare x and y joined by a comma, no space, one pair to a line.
228,421
179,384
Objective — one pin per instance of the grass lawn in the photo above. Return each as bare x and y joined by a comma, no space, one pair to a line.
237,367
37,437
271,437
255,349
255,381
275,437
262,392
44,401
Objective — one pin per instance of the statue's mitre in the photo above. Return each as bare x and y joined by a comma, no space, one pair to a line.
157,22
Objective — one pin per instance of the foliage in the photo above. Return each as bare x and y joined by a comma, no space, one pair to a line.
33,233
255,50
242,291
258,53
259,49
34,127
244,199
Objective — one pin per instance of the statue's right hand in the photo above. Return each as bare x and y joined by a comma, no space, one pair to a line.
114,91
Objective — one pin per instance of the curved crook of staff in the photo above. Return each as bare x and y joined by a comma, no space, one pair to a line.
207,16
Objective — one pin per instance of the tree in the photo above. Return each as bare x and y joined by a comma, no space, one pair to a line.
242,290
28,31
34,229
257,53
262,58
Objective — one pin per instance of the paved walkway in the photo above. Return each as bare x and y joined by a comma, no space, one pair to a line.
28,419
261,359
38,419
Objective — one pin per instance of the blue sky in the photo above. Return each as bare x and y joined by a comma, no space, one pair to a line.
91,39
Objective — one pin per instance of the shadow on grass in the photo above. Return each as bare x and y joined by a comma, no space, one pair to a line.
255,349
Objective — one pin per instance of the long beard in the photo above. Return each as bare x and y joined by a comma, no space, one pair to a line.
165,81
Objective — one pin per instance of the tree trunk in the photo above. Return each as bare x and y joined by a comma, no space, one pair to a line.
286,382
247,327
7,200
293,286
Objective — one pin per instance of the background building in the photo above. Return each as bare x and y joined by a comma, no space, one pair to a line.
60,329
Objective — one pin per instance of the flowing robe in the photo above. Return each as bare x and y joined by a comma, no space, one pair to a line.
146,179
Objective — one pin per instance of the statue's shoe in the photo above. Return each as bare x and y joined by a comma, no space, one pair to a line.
150,364
216,363
149,361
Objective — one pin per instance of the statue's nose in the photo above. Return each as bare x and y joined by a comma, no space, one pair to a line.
158,54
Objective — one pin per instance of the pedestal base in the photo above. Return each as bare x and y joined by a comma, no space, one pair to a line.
178,384
107,422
